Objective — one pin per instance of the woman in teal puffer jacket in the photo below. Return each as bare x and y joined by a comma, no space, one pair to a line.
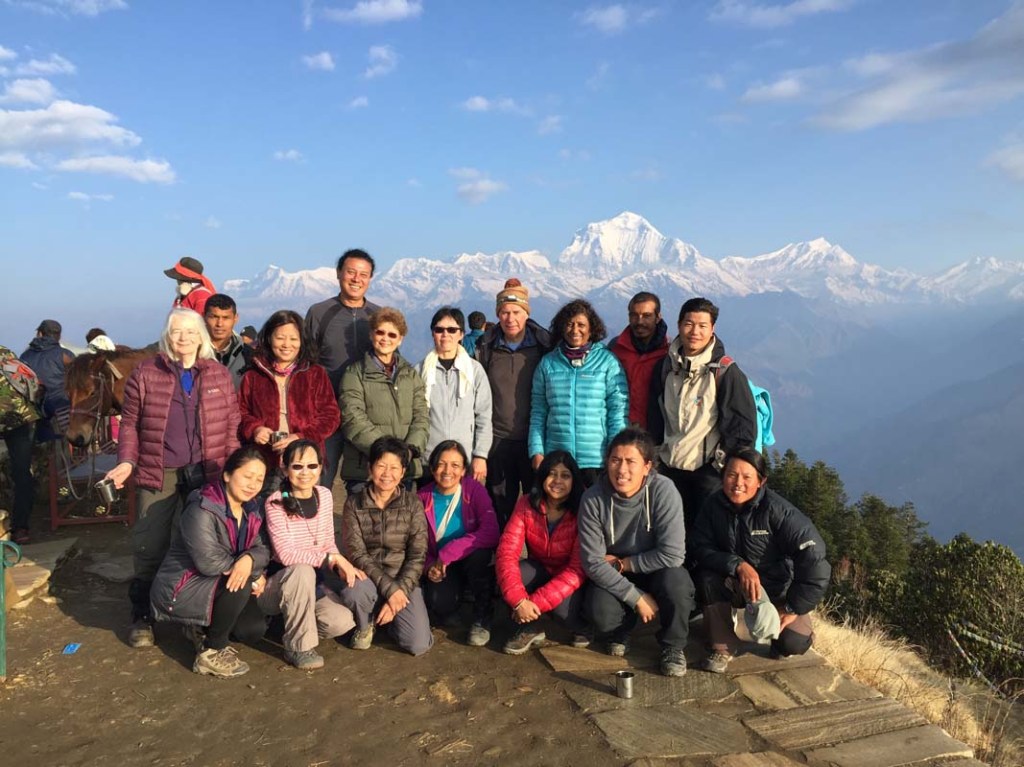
580,398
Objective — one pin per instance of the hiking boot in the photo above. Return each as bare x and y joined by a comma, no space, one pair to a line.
581,641
304,660
673,662
618,645
220,663
479,635
362,639
716,662
140,633
522,641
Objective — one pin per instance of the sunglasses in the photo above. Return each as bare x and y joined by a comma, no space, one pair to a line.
389,333
440,330
301,466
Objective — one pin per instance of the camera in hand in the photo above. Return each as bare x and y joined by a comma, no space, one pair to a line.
277,436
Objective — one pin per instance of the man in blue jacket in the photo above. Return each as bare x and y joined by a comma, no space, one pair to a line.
48,359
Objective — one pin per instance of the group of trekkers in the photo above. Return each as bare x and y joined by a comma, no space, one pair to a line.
592,486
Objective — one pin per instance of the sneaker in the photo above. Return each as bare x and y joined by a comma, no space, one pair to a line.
362,639
221,663
618,646
21,536
581,641
522,641
479,635
716,662
673,662
140,634
304,660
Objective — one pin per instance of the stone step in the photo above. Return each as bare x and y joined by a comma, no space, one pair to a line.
915,747
670,731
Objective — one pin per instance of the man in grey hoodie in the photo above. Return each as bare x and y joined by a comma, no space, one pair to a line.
632,545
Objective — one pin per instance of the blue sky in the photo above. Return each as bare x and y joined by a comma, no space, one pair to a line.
285,131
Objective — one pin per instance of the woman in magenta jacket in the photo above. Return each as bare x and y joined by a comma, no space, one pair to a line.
549,579
462,531
285,395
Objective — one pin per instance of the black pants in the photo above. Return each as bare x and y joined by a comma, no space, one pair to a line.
569,611
695,487
509,473
474,572
19,451
671,588
590,476
235,613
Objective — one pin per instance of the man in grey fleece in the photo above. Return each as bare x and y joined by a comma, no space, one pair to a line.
632,545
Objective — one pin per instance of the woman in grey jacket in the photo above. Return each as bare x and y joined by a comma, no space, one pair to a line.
632,546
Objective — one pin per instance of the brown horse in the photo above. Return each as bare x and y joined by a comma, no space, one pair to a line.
95,384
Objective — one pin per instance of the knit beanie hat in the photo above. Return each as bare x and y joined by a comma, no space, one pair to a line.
514,292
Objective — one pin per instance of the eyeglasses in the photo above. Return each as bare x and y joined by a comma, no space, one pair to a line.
389,333
301,466
440,330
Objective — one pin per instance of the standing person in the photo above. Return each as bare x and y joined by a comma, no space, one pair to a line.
384,534
580,396
340,330
458,392
462,532
221,316
194,288
49,360
477,321
640,347
285,396
18,417
213,572
300,521
248,335
696,412
755,549
548,580
382,395
510,353
97,340
179,424
632,546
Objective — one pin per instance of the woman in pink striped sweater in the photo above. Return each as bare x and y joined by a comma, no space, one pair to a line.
300,521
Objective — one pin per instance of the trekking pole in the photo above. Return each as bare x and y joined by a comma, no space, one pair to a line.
10,555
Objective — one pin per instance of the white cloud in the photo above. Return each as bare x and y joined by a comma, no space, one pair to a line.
72,7
616,18
143,171
41,187
383,60
212,223
484,104
715,82
61,125
375,11
550,124
414,183
650,173
945,80
1009,160
359,102
288,155
773,15
55,65
783,89
16,160
87,198
307,14
35,91
6,54
323,61
596,80
581,155
475,186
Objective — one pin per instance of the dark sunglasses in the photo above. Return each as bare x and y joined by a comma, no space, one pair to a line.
388,333
439,329
301,466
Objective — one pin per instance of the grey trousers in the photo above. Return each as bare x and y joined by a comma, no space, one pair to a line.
156,512
292,592
410,628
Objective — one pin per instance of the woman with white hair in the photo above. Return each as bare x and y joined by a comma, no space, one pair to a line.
179,424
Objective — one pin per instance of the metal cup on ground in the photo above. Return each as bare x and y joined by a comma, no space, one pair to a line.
624,684
106,491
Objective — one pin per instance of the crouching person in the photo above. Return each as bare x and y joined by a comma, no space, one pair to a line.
384,534
632,546
213,571
756,550
300,522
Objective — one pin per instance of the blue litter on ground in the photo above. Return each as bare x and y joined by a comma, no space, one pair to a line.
71,649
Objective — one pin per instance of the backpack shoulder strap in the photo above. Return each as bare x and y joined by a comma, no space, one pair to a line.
720,366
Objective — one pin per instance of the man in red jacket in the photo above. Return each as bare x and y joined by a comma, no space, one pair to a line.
640,347
193,287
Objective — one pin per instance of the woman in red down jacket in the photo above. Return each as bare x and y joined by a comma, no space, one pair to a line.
285,395
549,579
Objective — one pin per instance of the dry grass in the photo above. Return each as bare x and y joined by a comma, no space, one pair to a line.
992,726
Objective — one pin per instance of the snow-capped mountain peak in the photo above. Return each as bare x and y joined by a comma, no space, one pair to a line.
623,244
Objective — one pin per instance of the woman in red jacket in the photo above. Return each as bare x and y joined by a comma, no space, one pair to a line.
549,579
285,395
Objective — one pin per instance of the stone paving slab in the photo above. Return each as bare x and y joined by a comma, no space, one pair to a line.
822,725
915,746
764,759
821,684
757,661
764,693
38,561
562,658
670,731
597,693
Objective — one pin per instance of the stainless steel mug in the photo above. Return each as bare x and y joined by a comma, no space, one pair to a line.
106,490
624,684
